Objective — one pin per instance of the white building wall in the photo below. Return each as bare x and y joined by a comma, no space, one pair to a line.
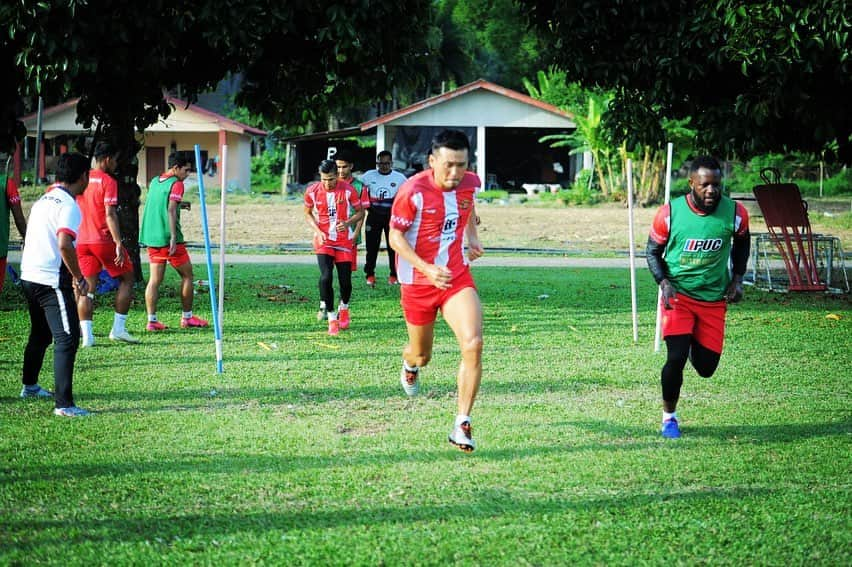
484,108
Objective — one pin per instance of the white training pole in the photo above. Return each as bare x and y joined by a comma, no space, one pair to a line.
222,171
668,194
632,251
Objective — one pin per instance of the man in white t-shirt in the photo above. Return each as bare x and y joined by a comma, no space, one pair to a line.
383,183
50,278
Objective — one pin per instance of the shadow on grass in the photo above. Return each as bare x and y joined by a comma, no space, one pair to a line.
771,433
183,399
242,464
482,505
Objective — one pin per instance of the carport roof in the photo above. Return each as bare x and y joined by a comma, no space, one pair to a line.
480,84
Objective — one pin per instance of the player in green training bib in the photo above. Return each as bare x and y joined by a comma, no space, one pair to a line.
162,235
692,242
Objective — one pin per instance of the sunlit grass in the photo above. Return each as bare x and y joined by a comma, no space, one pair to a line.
306,450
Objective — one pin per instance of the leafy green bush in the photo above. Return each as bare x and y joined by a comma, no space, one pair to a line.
266,170
492,195
798,168
578,194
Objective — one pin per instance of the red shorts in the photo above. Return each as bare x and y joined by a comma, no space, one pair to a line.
704,320
340,255
93,256
355,258
161,255
420,303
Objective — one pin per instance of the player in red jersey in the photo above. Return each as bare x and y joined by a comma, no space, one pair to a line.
99,246
10,203
432,214
344,172
331,199
694,242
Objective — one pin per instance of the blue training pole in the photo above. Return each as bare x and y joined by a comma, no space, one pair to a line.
217,330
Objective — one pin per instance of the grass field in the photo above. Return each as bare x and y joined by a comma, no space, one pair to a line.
309,452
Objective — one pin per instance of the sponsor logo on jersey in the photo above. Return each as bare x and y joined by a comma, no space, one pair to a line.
451,221
703,245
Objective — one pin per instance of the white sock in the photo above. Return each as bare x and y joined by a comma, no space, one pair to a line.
405,365
119,322
86,328
152,317
667,416
332,316
187,314
322,306
342,306
461,419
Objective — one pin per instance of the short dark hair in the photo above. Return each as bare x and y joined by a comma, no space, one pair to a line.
328,166
70,167
452,139
343,155
384,153
707,162
180,159
104,150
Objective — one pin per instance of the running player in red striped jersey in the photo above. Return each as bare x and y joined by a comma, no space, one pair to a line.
432,214
327,206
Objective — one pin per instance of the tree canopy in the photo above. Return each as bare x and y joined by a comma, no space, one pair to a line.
121,58
755,77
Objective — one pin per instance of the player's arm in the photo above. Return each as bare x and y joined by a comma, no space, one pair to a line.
474,246
353,220
20,219
440,276
657,240
740,250
14,200
68,253
312,222
115,232
365,204
173,216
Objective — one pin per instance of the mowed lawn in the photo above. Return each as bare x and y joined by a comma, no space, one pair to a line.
306,450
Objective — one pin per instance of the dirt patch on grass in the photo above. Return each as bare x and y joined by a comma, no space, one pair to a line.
600,228
275,222
596,229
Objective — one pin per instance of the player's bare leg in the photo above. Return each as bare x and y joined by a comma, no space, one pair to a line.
186,297
123,296
85,309
463,313
416,355
152,295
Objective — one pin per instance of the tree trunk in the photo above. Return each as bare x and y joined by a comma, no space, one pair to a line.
601,178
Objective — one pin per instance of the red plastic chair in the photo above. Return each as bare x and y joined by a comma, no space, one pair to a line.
786,216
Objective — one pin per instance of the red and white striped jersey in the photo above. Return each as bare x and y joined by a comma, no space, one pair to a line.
332,207
433,221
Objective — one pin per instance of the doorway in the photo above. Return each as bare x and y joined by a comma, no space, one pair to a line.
155,162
